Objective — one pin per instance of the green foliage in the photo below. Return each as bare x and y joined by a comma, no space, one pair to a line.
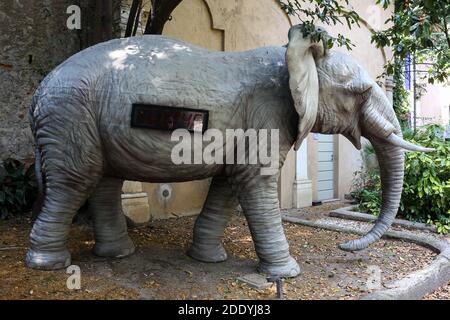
419,27
442,227
330,12
369,197
400,94
426,189
17,188
367,184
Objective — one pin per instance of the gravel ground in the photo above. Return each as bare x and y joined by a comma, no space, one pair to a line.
160,269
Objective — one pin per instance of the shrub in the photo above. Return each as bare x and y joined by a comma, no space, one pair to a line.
366,183
18,188
426,189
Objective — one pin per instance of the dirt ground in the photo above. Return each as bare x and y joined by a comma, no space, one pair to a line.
160,269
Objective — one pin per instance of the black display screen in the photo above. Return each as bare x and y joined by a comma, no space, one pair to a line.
168,118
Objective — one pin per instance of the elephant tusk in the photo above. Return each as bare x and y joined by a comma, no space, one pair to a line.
399,142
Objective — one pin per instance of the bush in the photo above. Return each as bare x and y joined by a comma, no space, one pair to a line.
367,184
426,189
18,188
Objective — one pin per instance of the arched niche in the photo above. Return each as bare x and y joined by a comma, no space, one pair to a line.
192,22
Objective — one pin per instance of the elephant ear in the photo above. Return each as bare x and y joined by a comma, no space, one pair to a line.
303,80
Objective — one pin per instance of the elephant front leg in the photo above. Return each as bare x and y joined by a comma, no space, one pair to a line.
110,226
261,208
210,224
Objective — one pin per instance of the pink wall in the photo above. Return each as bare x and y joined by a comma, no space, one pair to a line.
435,104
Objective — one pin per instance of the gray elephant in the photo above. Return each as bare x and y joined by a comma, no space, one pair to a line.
86,146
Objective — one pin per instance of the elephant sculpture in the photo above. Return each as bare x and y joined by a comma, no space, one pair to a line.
86,147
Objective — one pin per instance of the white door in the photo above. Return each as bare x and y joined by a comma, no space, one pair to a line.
325,176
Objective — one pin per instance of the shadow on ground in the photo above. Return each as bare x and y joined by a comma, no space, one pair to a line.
160,269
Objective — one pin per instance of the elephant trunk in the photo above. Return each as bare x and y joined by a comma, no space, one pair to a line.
391,161
381,127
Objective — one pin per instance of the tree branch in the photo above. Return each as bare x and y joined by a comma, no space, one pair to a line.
132,17
137,18
446,31
160,14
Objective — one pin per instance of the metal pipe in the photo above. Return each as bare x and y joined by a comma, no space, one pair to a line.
414,93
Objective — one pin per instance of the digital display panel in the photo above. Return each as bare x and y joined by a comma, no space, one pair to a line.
168,118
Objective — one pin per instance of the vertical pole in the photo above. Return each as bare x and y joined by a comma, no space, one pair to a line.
279,285
414,93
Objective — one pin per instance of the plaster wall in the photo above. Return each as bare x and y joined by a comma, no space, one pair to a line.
34,39
434,105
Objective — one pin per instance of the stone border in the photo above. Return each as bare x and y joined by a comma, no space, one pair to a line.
348,213
415,285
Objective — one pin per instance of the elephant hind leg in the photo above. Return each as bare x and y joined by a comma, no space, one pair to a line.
72,163
110,227
66,191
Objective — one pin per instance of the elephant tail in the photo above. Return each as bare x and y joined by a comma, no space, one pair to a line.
37,206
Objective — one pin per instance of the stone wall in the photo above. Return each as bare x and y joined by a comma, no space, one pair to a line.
34,39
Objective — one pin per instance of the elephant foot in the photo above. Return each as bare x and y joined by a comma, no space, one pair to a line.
114,249
207,253
47,260
288,270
